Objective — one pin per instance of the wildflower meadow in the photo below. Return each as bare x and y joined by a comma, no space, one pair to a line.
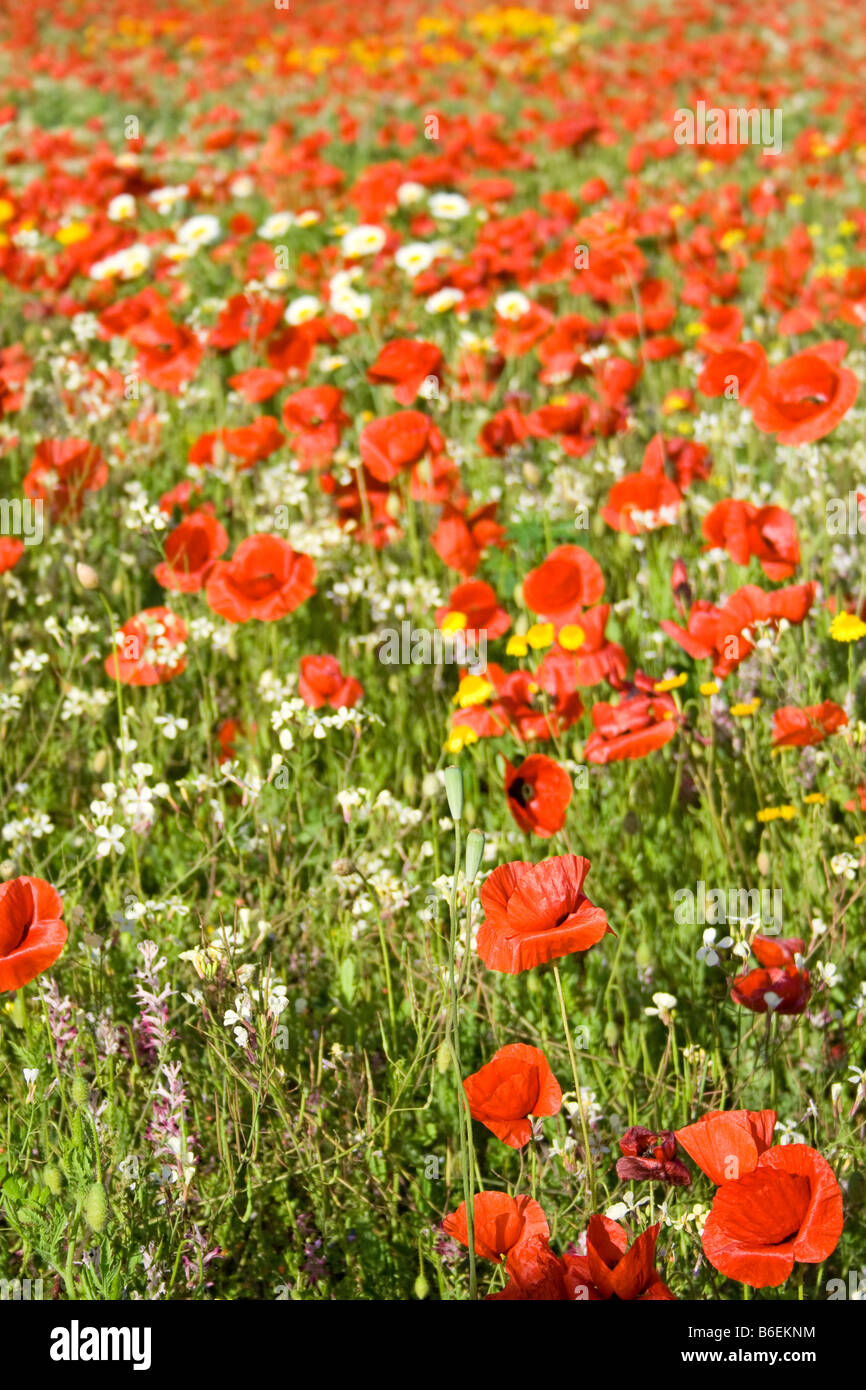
432,657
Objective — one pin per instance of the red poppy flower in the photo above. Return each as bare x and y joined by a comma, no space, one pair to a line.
150,650
800,728
638,725
804,398
314,419
396,442
726,1143
406,364
461,538
62,471
744,530
535,913
169,353
738,370
503,431
245,318
610,1269
323,683
258,384
786,1210
538,792
248,444
32,932
563,585
571,423
781,985
723,634
265,579
515,1083
642,502
190,552
500,1223
478,603
651,1155
11,551
536,1274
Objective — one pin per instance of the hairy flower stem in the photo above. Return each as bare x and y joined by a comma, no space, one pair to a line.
467,1150
584,1126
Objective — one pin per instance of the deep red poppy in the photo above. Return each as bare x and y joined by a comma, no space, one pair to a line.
535,913
191,550
781,978
32,931
515,1083
538,792
650,1155
265,579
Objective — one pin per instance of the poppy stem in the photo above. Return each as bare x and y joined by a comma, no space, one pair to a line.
464,1119
584,1127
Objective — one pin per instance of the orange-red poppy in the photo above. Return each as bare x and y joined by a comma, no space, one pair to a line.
515,1083
535,913
265,579
32,931
538,794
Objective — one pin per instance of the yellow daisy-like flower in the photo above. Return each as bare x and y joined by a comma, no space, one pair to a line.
571,637
709,688
72,232
460,738
540,635
860,839
744,711
847,627
473,690
672,683
770,813
815,799
454,622
517,645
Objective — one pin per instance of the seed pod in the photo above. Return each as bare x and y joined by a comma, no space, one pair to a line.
96,1207
53,1178
454,791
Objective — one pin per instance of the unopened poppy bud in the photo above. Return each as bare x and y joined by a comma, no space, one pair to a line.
474,854
454,791
643,955
80,1090
96,1207
611,1033
53,1178
443,1058
421,1287
86,576
763,862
